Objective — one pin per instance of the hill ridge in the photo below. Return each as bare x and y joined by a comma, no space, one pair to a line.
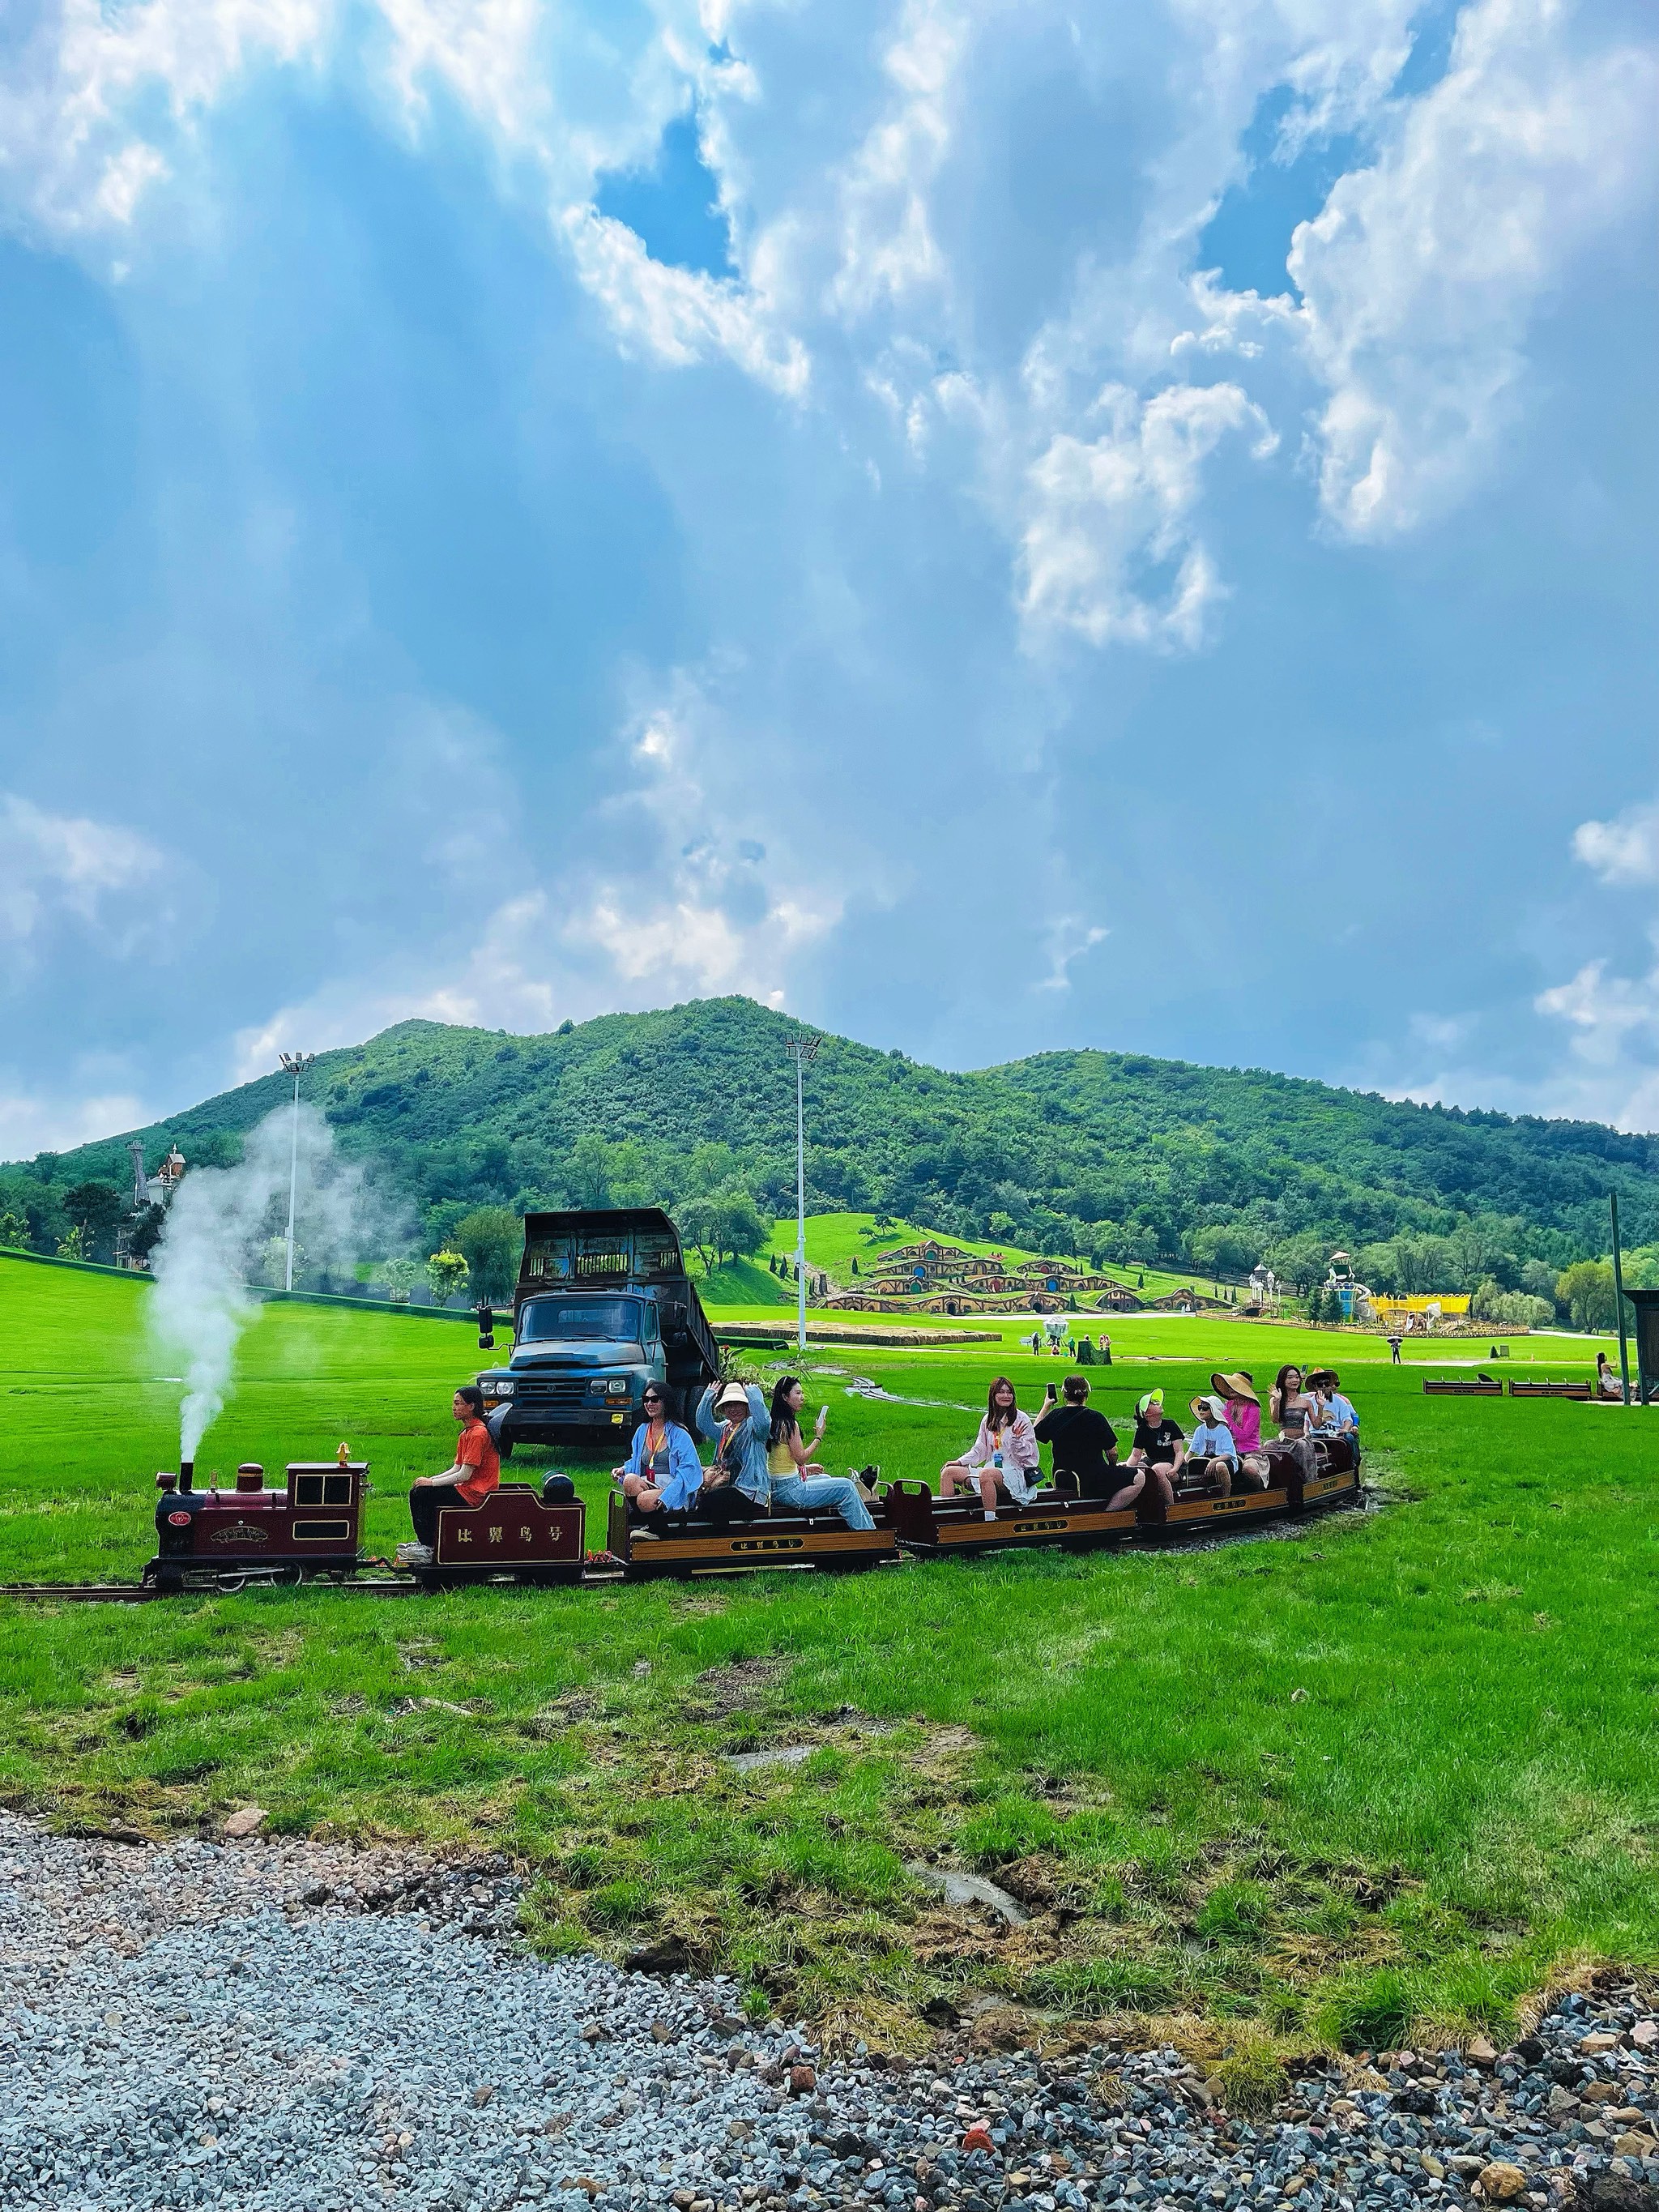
1060,1147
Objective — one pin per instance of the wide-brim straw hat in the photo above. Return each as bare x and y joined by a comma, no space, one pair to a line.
1324,1375
732,1395
1235,1386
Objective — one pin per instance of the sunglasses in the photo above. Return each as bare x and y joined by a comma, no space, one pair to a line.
651,1399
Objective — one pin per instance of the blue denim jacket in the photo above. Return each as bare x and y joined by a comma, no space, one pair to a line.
749,1441
684,1468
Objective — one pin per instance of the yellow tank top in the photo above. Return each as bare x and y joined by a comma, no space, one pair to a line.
779,1459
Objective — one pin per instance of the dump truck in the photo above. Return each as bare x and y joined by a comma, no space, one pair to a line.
602,1306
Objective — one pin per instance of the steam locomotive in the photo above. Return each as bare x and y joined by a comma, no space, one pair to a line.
311,1528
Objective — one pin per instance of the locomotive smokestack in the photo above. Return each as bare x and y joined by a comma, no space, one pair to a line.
186,1474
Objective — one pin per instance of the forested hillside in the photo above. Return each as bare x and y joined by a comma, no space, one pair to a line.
1105,1153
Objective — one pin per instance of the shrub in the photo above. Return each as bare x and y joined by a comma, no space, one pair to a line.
445,1274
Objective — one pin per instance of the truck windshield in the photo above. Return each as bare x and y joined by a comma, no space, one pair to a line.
615,1321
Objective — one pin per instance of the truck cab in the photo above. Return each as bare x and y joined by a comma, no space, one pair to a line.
602,1306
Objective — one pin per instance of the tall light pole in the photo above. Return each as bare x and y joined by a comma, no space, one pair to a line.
801,1050
1618,1301
296,1064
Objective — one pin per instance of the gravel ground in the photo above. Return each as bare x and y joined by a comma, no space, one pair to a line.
272,2027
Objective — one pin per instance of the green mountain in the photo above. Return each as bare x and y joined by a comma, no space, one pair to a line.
1109,1153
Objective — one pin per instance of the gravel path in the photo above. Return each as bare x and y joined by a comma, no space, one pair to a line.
274,2026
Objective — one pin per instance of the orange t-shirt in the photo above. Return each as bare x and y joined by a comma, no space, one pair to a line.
475,1450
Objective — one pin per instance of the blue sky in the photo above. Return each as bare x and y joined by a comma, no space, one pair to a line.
986,528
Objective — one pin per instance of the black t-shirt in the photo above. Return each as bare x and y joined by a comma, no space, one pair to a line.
1082,1440
1159,1442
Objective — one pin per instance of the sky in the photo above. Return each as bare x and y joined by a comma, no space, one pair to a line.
990,527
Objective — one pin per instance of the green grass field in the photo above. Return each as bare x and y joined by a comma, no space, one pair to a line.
1388,1773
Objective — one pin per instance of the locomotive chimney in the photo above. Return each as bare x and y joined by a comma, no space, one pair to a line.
186,1474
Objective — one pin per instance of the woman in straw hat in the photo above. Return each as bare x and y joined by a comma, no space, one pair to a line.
1243,1412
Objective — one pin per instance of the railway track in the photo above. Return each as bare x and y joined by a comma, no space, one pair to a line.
146,1593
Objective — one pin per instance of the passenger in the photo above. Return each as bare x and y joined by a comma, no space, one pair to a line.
1156,1456
736,1486
1004,1456
1212,1447
1241,1409
1081,1442
477,1472
786,1453
1296,1411
1337,1417
797,1483
1607,1384
662,1472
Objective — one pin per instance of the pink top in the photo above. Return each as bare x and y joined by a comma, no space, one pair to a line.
1019,1444
1244,1420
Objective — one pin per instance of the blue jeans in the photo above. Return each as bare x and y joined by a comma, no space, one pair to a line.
801,1495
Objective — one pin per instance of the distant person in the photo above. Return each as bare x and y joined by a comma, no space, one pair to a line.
475,1473
1104,1354
1397,1337
1081,1442
1241,1410
1003,1457
662,1472
1156,1456
1607,1384
1212,1448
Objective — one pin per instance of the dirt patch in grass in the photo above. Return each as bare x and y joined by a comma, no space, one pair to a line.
735,1688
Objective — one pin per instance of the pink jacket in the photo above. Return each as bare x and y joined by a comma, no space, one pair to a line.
1020,1455
1244,1420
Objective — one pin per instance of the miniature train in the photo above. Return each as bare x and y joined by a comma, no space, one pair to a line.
310,1527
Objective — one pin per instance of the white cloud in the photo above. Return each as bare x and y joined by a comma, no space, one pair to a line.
681,315
1614,1024
887,244
679,897
1623,851
1110,549
1069,939
1426,267
64,866
87,94
30,1123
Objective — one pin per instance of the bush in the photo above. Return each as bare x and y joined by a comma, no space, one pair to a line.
445,1274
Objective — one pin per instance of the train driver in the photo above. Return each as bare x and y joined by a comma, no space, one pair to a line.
475,1473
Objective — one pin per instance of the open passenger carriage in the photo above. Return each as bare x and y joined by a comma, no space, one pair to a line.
689,1543
925,1522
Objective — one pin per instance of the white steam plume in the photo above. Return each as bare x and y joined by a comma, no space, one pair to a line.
216,1231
